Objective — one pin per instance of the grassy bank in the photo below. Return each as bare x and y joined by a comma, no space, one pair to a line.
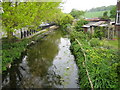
111,43
98,65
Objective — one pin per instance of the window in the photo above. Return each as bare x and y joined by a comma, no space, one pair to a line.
118,18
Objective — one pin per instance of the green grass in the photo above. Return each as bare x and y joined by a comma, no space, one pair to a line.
94,14
112,43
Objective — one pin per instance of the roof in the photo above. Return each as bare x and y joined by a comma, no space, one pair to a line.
100,23
92,19
86,26
103,25
96,19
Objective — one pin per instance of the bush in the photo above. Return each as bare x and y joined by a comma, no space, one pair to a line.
99,32
12,51
79,24
101,63
95,42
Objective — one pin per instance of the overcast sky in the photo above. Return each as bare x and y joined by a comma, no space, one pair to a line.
85,4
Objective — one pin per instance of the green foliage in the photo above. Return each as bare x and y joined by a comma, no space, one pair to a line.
99,32
12,51
47,12
95,14
75,34
111,43
101,63
31,15
99,11
103,8
17,16
113,12
105,15
79,24
28,14
94,42
65,19
77,13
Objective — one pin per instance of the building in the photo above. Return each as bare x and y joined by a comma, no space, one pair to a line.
107,27
118,17
93,23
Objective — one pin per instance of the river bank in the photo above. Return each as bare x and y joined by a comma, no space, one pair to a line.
98,65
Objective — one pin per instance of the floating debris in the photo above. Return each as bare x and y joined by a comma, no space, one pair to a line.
68,67
33,42
76,78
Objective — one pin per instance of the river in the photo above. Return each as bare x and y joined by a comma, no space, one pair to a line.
47,64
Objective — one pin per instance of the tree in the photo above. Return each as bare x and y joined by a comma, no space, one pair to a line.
99,32
16,16
105,15
77,13
46,12
8,21
79,24
65,20
22,14
113,12
103,8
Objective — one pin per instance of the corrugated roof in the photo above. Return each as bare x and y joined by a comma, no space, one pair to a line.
100,23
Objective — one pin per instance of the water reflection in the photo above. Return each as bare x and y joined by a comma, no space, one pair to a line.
41,55
40,58
48,63
64,65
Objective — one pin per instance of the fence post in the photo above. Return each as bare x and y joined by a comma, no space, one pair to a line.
108,32
21,33
113,32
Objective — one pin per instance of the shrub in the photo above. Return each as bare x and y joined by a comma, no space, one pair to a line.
101,63
79,24
94,42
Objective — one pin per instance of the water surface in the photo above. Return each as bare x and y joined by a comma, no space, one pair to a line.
48,64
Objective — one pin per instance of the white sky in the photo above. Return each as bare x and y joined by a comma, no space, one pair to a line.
85,4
